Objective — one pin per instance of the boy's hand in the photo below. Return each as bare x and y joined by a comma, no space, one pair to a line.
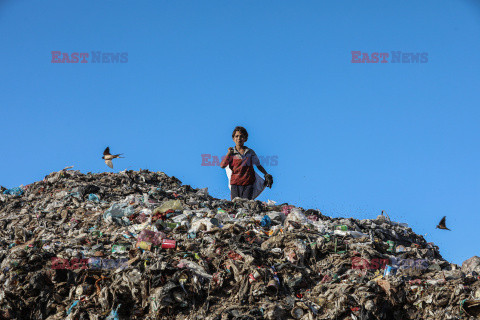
268,180
230,151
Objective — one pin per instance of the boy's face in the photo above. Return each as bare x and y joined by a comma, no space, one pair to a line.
239,139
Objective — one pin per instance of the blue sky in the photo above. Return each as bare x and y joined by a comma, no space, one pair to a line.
351,138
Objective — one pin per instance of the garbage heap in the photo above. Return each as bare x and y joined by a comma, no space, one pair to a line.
140,245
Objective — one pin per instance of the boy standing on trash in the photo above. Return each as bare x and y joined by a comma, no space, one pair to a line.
241,160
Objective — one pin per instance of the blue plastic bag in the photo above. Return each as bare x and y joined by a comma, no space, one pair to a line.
266,222
17,191
114,314
93,197
72,306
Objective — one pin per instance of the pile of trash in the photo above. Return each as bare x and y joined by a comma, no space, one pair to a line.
140,245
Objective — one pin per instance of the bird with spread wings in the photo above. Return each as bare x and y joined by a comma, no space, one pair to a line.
109,157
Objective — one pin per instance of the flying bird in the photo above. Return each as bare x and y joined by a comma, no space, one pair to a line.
442,225
108,157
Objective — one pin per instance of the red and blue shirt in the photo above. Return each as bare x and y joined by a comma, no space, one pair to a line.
241,165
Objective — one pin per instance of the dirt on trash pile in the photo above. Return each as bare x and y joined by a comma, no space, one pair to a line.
140,245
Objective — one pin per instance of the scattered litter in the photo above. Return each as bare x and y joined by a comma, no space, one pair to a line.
153,248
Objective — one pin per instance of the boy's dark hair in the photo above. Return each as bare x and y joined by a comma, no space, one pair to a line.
242,131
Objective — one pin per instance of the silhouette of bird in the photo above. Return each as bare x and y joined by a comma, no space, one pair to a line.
108,157
442,225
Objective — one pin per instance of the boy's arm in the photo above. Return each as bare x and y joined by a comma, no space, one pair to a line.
262,169
268,178
226,160
256,162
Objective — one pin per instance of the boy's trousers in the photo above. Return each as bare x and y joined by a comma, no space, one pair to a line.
245,192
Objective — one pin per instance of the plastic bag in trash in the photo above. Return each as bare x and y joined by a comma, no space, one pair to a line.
168,205
72,306
276,217
93,197
201,224
296,216
153,237
266,222
203,192
119,210
17,191
113,314
355,234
